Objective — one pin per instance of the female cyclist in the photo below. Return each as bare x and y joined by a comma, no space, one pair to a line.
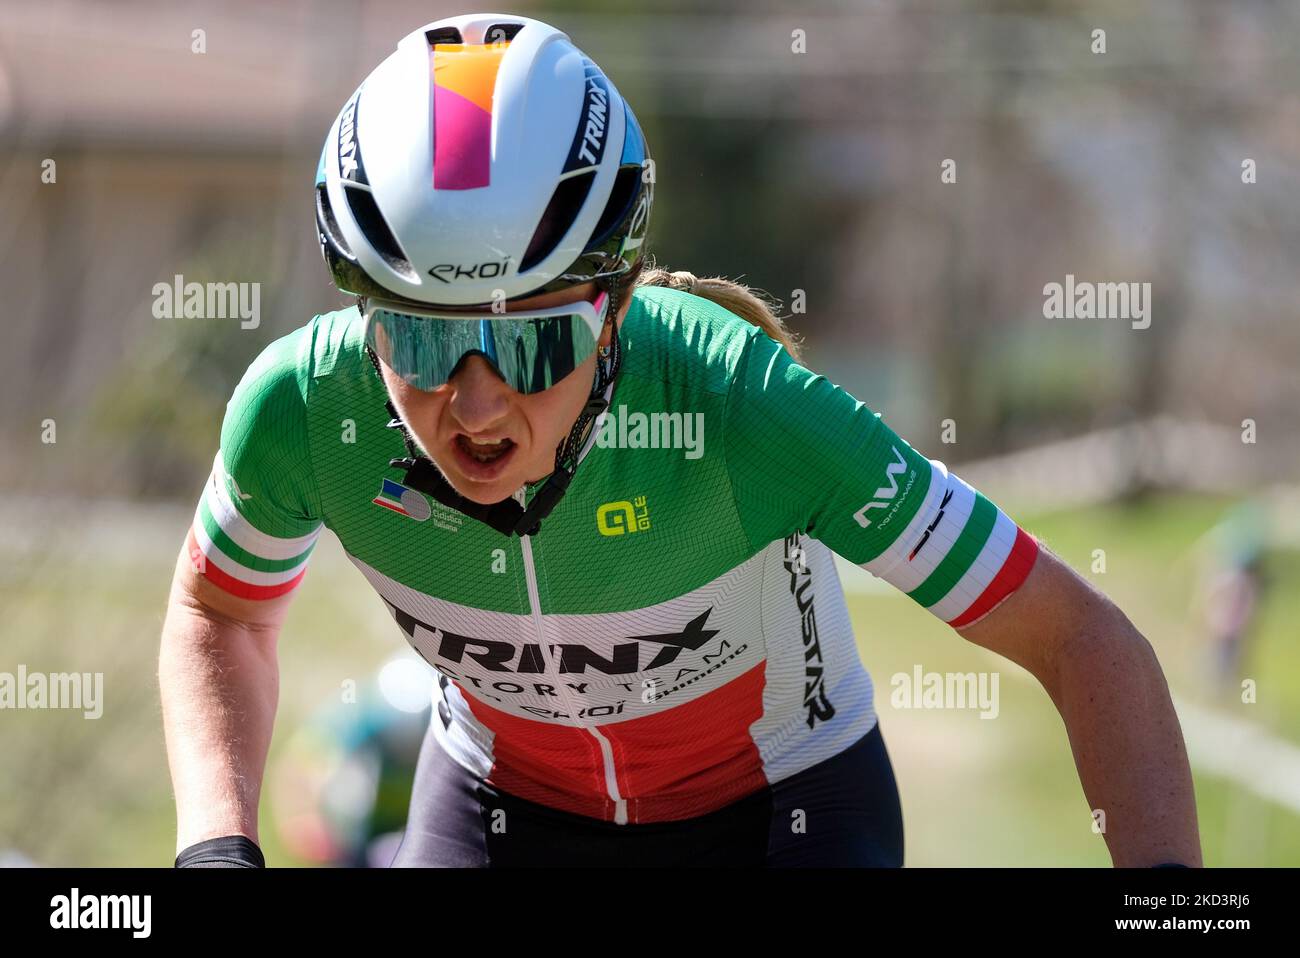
600,499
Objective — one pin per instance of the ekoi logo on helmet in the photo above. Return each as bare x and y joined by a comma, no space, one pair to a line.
454,272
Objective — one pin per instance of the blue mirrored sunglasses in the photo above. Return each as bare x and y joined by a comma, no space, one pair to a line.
531,350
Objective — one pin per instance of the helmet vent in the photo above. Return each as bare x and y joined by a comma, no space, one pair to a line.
620,204
501,32
373,227
326,220
442,35
560,213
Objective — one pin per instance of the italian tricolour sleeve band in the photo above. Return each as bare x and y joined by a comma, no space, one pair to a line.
960,555
238,557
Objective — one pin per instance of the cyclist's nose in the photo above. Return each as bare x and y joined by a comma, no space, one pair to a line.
479,396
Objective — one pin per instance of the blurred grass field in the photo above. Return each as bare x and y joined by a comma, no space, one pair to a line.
85,591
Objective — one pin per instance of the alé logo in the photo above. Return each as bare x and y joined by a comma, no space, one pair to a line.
623,518
885,494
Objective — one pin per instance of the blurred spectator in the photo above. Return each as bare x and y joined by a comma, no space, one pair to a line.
341,786
1230,587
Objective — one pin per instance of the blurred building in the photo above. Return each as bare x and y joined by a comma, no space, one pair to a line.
800,148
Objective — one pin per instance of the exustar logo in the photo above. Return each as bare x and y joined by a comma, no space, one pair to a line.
814,690
885,494
527,658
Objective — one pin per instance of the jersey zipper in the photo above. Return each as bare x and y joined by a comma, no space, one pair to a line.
606,750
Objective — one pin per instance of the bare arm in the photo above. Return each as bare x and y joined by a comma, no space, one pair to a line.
219,682
1104,678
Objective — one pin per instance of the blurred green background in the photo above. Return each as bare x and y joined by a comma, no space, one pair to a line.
814,175
975,791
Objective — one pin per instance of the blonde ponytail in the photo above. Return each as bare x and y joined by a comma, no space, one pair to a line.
751,305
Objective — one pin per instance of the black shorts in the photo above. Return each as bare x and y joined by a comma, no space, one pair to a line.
843,812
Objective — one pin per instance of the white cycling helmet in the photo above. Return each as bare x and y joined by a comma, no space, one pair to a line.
486,154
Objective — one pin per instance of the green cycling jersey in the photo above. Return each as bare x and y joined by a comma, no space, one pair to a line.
676,636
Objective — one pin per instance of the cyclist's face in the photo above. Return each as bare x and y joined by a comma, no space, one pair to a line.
486,437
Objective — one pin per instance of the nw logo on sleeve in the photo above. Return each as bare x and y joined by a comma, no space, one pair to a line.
885,494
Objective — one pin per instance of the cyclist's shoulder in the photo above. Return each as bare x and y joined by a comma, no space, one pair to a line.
336,343
293,376
327,345
681,336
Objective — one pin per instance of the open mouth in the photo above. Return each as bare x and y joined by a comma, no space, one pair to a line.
484,452
482,460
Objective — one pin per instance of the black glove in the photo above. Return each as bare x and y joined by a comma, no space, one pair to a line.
229,851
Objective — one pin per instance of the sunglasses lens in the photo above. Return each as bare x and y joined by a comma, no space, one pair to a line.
530,354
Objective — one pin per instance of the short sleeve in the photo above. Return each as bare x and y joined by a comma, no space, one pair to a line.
259,516
804,455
